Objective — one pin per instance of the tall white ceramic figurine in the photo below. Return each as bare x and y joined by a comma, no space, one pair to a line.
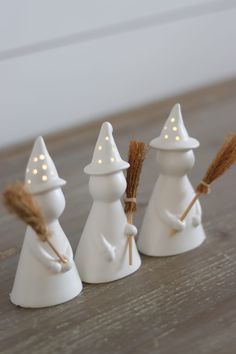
172,193
102,253
41,280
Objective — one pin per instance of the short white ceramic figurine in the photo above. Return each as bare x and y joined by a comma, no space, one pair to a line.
172,193
41,280
102,253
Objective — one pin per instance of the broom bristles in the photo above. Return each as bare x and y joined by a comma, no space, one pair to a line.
137,153
21,203
224,159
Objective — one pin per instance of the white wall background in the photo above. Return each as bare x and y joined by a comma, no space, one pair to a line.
63,63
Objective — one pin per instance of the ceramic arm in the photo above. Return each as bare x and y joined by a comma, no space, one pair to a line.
197,218
69,256
69,252
107,248
44,257
170,219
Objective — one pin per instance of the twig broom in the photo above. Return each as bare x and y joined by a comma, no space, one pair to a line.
224,159
21,203
137,153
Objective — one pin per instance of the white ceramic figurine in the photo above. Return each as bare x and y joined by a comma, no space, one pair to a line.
172,193
102,253
41,280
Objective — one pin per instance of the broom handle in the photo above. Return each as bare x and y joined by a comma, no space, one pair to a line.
187,210
62,259
189,207
130,239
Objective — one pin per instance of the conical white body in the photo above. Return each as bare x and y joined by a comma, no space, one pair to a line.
41,280
100,261
36,285
171,195
102,253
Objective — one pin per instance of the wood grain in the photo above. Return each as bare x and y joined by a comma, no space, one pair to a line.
182,304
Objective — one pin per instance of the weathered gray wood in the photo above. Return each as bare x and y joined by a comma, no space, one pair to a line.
181,304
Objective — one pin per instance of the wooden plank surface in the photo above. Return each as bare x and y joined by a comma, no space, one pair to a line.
182,304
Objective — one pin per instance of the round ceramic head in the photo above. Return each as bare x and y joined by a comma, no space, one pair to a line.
174,135
41,174
106,157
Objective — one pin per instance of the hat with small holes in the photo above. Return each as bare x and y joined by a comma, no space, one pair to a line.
106,157
174,135
41,174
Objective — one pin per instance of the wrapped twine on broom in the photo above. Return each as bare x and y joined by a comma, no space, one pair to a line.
224,159
21,203
137,153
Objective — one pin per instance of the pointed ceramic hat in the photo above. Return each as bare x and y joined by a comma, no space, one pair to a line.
41,174
174,135
106,157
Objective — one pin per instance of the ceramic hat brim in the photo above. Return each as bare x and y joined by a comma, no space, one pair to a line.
47,186
96,170
189,143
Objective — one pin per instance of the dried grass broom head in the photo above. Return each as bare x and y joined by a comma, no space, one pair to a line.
223,160
137,154
21,203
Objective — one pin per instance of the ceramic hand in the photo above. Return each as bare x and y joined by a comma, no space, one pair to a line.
67,266
175,223
55,267
130,230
